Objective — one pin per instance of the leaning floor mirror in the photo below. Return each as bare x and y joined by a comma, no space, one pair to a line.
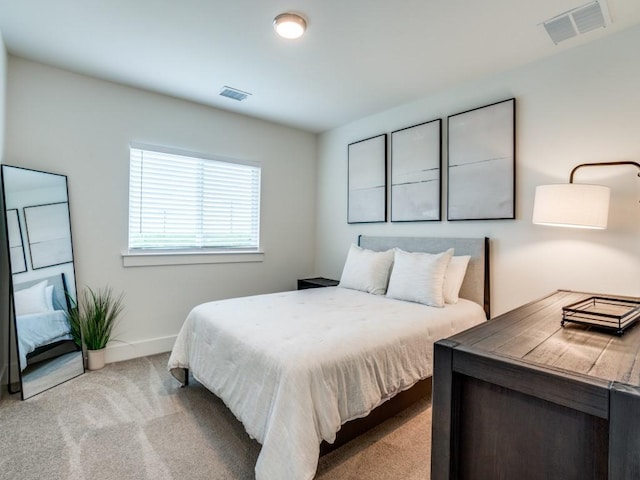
44,351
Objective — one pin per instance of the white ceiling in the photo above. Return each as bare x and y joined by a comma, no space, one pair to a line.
357,58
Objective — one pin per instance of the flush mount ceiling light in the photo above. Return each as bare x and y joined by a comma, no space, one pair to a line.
290,25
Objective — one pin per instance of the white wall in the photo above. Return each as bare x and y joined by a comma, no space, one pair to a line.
79,126
3,94
3,84
576,107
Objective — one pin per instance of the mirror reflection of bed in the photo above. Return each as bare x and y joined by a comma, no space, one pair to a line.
43,351
46,347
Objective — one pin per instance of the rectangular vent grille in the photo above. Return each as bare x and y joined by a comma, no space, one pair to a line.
234,93
589,18
560,29
577,21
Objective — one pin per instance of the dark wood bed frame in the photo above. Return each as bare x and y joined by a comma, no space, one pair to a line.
405,399
52,350
402,400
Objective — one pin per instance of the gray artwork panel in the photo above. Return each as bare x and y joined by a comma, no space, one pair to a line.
18,264
415,173
49,234
482,163
51,252
481,190
16,246
367,180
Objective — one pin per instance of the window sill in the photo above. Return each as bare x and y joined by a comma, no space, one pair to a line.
151,259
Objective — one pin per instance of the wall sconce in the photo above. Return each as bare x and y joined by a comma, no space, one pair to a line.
573,204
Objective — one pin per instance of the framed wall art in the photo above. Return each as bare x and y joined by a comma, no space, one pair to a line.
481,166
16,245
367,180
416,162
49,234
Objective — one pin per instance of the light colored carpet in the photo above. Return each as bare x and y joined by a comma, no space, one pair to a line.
131,420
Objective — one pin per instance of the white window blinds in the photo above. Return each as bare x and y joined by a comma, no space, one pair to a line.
177,201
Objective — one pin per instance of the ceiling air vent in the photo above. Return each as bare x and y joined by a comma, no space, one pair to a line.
234,93
579,20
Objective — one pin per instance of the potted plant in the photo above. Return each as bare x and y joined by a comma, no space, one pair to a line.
92,318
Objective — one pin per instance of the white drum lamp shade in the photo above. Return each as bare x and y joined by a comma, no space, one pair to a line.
572,205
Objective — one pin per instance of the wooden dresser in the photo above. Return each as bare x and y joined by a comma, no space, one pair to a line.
521,397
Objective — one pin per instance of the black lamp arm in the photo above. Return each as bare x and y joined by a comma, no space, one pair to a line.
601,164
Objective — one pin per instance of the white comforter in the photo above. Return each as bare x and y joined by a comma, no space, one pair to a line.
294,366
39,329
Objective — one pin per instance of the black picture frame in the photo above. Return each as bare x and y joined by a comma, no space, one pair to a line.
17,254
481,167
49,234
416,173
367,180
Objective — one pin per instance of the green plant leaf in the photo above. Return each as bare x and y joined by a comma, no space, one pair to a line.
94,316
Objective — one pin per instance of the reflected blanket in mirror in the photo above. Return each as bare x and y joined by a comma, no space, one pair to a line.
39,329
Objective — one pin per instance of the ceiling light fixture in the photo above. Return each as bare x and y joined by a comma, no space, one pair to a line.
290,25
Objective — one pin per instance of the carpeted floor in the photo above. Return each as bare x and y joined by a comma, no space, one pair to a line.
131,420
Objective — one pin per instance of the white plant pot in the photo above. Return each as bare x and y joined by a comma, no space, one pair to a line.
95,359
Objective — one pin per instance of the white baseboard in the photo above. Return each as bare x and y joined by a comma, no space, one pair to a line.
120,351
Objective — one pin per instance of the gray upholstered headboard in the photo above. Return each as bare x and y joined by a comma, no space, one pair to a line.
476,284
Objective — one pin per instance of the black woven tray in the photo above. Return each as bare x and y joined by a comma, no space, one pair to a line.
610,313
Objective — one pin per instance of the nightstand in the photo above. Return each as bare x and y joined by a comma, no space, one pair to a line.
316,282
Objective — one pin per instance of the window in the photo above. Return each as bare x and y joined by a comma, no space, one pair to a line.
187,202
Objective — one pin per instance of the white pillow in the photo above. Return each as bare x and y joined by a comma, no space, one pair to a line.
419,277
454,277
31,300
48,297
366,270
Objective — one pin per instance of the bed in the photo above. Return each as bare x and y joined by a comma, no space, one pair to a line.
294,367
41,320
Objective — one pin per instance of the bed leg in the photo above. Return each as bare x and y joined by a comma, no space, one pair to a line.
185,382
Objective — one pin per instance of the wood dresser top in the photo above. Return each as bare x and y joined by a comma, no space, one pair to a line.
532,333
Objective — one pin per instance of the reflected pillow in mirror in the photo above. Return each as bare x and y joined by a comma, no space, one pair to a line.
419,277
48,297
31,300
